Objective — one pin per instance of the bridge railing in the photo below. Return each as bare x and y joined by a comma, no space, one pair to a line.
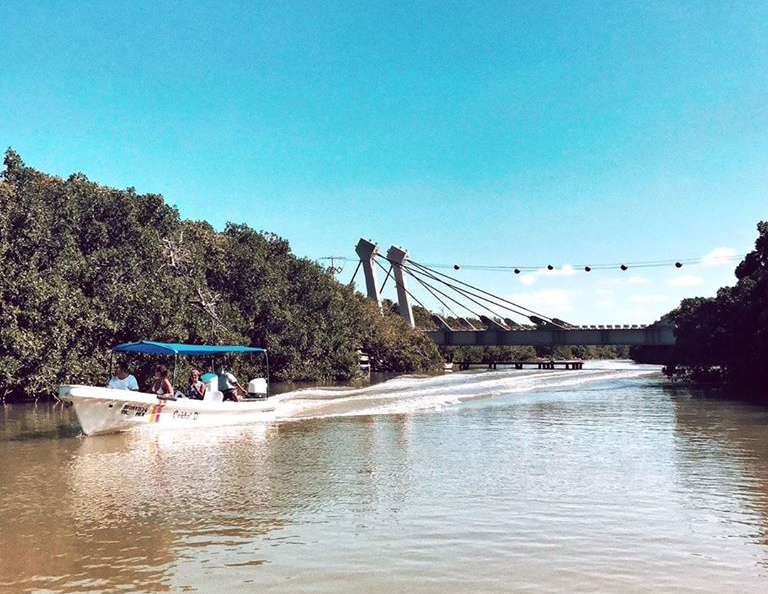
654,335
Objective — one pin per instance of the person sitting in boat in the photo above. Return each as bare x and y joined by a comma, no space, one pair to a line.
161,384
228,384
122,380
196,388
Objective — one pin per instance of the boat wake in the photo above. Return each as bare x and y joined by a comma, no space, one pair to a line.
410,394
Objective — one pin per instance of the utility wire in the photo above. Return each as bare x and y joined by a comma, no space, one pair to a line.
599,266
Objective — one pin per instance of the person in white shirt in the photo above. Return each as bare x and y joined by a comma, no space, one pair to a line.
122,380
228,384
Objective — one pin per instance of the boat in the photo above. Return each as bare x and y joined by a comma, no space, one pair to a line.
103,410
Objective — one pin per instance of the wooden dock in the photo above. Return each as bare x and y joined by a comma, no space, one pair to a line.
563,364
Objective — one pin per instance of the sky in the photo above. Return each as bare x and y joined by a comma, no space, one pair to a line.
485,133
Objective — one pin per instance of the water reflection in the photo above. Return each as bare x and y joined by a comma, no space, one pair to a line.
623,485
722,449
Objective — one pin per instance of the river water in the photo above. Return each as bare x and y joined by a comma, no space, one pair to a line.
602,480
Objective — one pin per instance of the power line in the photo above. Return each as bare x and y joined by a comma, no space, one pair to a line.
520,268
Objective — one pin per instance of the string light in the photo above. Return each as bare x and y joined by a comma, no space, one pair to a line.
586,267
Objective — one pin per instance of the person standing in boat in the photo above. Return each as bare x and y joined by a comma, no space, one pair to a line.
196,388
122,380
228,384
162,385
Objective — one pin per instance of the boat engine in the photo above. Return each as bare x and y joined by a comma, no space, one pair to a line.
257,388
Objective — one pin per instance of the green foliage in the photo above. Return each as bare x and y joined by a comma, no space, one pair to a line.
86,266
726,337
480,354
393,345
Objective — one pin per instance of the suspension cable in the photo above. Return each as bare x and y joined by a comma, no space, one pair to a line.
517,305
430,288
354,274
384,284
427,287
402,287
467,294
464,293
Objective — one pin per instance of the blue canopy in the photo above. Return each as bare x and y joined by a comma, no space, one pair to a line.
175,348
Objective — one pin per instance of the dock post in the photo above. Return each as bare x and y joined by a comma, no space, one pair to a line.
367,250
398,257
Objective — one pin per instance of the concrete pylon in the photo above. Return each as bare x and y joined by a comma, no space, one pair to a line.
398,258
367,250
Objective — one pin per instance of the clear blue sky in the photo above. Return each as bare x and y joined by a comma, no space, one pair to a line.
488,133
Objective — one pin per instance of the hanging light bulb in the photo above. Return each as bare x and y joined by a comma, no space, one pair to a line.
587,268
678,264
456,266
550,267
624,267
517,271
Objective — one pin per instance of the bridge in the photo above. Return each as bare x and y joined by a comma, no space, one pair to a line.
533,329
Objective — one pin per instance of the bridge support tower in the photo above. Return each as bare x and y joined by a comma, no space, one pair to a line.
367,250
398,257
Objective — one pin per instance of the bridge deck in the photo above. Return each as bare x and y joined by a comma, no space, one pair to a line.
552,364
655,335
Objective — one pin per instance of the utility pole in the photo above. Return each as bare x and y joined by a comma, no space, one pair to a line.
333,269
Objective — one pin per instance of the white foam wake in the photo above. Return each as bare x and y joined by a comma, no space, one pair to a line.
408,394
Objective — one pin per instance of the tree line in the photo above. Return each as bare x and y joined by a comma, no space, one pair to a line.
488,354
723,339
85,267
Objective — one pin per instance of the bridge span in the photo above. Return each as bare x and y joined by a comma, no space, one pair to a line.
655,335
498,331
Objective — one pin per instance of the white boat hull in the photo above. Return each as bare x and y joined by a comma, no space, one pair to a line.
104,410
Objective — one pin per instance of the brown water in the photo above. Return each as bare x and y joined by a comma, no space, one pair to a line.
609,481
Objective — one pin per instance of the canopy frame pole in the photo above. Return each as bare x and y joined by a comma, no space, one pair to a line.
109,373
175,362
266,357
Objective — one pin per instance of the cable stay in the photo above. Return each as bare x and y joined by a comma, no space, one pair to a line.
538,319
354,274
428,286
496,297
467,294
451,292
403,288
474,313
434,292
